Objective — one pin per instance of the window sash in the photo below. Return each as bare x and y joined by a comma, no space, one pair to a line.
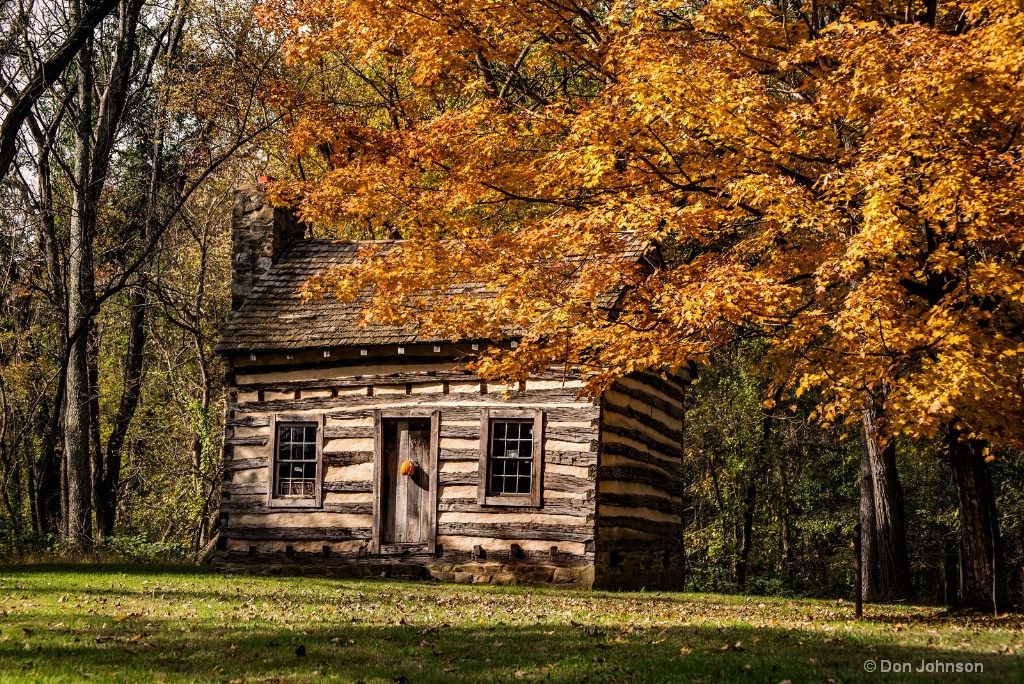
511,457
296,462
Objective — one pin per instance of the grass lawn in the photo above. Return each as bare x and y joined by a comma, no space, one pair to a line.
176,624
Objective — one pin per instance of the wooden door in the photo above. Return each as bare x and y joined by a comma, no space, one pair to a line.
407,505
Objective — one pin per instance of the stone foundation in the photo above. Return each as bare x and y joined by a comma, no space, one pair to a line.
580,576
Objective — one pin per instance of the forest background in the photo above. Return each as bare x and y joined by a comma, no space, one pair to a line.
528,129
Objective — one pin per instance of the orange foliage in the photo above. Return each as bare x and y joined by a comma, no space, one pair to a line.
843,181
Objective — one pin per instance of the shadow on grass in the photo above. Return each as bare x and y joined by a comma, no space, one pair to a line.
215,650
105,568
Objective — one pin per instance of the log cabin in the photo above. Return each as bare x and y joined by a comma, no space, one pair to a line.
374,451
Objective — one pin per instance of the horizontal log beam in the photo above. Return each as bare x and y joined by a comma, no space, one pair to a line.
340,432
671,450
560,482
456,479
353,508
665,530
439,401
640,475
556,482
665,463
355,486
347,458
570,458
666,387
459,455
575,533
244,488
340,559
258,532
550,507
650,501
672,410
586,411
260,440
246,463
249,421
381,379
666,433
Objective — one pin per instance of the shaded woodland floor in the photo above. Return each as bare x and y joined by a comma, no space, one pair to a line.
183,624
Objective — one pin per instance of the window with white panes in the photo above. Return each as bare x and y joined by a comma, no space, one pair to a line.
511,458
295,461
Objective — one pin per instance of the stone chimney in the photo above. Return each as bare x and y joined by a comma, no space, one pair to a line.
260,232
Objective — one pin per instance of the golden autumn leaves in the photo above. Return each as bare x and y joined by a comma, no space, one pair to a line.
842,182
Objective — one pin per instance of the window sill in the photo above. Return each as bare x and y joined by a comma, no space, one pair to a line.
511,501
294,503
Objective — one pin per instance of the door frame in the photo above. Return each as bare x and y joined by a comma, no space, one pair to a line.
379,416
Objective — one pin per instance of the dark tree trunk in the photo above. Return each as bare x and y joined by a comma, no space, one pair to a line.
950,572
94,433
788,507
746,531
746,537
982,569
107,485
1020,566
47,470
889,571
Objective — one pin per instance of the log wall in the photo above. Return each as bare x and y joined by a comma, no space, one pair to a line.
551,544
639,494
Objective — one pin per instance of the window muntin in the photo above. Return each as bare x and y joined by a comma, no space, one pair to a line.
295,461
510,458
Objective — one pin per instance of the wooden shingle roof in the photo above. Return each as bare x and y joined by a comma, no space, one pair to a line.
273,318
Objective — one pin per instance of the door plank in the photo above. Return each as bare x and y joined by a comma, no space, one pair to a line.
419,484
401,484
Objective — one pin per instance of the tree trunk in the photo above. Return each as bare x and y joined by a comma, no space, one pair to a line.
890,561
78,512
983,572
47,470
750,495
949,570
94,432
746,530
868,533
108,483
788,512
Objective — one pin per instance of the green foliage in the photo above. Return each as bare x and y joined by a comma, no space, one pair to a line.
807,481
138,549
